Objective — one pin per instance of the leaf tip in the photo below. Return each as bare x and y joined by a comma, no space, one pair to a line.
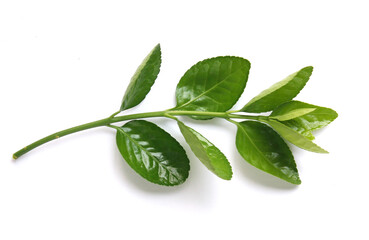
325,152
311,68
227,178
157,47
295,179
298,182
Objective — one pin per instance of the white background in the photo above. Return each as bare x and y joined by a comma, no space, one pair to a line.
64,63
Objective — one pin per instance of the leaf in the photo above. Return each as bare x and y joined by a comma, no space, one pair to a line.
142,80
279,93
207,153
212,85
294,137
293,114
307,123
153,153
263,148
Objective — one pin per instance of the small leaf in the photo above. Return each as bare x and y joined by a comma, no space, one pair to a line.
263,148
212,85
142,80
153,153
307,123
293,114
294,137
279,93
207,153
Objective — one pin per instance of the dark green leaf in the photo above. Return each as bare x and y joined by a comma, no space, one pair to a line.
142,80
153,153
212,85
294,137
279,93
207,153
263,148
307,123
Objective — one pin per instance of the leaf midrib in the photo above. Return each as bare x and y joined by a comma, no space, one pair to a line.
259,149
210,89
149,153
268,92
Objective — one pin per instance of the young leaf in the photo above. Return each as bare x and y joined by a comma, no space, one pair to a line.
293,114
212,85
263,148
207,153
309,122
294,137
153,153
279,93
142,80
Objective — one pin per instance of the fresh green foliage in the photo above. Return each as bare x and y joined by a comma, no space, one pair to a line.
279,93
309,122
263,148
153,153
208,90
142,80
212,85
294,137
207,153
293,114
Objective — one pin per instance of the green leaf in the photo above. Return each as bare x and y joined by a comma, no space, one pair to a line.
212,85
307,123
294,137
263,148
142,80
293,114
279,93
207,153
153,153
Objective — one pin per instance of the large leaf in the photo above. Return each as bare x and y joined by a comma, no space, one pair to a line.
309,122
279,93
263,148
142,80
294,137
212,85
153,153
207,153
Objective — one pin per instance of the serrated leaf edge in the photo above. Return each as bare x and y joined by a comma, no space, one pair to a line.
156,160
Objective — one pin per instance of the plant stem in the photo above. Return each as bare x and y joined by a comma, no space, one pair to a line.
113,119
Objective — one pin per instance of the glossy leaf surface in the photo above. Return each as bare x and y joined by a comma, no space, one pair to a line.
294,137
263,148
142,80
279,93
293,114
212,85
153,153
207,153
307,123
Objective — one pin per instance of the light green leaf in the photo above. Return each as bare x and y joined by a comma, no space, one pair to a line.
142,80
153,153
293,114
263,148
279,93
294,137
207,153
212,85
309,122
